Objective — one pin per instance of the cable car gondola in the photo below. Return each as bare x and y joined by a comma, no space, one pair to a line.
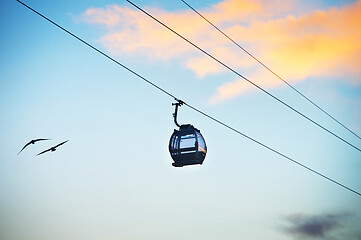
186,145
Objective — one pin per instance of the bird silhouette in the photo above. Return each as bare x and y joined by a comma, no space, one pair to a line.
52,148
32,142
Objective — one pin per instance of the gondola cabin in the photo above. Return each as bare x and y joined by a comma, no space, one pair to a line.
186,145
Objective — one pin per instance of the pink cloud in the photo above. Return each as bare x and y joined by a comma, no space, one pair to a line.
322,43
317,43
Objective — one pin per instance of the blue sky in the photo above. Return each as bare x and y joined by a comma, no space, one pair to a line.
114,179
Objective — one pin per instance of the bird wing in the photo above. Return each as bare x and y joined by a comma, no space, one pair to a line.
40,139
60,144
47,150
24,147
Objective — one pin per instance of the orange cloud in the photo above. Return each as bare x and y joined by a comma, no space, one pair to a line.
322,43
239,86
130,31
318,43
204,65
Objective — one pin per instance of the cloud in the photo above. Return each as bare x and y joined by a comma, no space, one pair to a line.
129,31
296,46
317,227
323,43
239,86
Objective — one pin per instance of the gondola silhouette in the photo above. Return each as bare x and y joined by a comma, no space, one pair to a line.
186,145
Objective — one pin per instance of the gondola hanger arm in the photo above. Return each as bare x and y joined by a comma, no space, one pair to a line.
178,103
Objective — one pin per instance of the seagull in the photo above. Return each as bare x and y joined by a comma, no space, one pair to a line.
52,148
32,142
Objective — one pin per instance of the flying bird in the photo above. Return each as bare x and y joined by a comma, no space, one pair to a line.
32,142
52,148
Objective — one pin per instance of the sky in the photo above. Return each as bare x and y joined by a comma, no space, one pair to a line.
114,179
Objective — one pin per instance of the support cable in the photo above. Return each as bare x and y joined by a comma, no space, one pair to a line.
265,66
195,109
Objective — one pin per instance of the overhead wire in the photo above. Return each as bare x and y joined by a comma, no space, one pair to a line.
240,75
270,70
190,106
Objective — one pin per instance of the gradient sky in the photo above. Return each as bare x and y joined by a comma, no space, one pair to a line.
114,179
